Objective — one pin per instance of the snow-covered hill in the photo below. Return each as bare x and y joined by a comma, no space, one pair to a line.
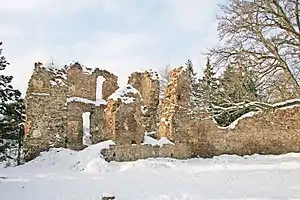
62,174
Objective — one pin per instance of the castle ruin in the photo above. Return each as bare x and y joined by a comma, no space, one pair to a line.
59,102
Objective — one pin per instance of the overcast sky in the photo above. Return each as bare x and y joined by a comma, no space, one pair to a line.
120,36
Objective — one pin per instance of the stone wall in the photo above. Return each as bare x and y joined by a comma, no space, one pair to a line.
124,116
147,83
122,153
57,98
83,87
110,84
46,112
98,124
75,123
264,133
81,82
173,112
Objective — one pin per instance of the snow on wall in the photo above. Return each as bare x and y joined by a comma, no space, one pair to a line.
290,101
164,120
122,94
86,70
100,81
40,94
282,105
153,74
57,81
151,141
52,66
53,83
53,173
55,68
234,124
86,101
86,139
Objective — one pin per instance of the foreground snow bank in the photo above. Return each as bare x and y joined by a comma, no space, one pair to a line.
66,159
62,174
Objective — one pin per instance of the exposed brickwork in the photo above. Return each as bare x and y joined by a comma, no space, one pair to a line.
110,84
264,133
124,116
122,153
57,98
174,106
75,123
98,124
54,121
147,84
45,111
81,82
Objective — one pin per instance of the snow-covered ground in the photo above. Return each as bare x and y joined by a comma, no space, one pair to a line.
62,174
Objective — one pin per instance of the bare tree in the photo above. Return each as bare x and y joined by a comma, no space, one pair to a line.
164,74
262,35
280,88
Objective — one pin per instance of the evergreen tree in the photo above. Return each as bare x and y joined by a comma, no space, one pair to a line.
227,97
208,93
194,84
192,74
239,84
11,116
239,89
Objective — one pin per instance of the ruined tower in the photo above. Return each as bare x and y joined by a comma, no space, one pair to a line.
124,116
57,99
175,105
46,111
147,83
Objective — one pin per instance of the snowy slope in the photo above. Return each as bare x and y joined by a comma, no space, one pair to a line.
62,174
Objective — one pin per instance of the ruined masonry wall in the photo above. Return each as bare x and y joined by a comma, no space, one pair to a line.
122,153
264,133
110,84
147,83
75,123
52,120
98,124
57,98
46,113
174,106
83,84
124,117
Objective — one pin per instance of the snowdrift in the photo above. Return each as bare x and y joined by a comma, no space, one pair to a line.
62,174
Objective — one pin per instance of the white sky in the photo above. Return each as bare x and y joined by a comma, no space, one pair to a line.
121,36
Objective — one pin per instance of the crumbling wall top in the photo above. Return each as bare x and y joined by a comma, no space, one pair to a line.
178,89
123,116
81,82
47,80
125,95
110,84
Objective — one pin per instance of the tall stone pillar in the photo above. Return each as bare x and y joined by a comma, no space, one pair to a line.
174,106
147,83
123,116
